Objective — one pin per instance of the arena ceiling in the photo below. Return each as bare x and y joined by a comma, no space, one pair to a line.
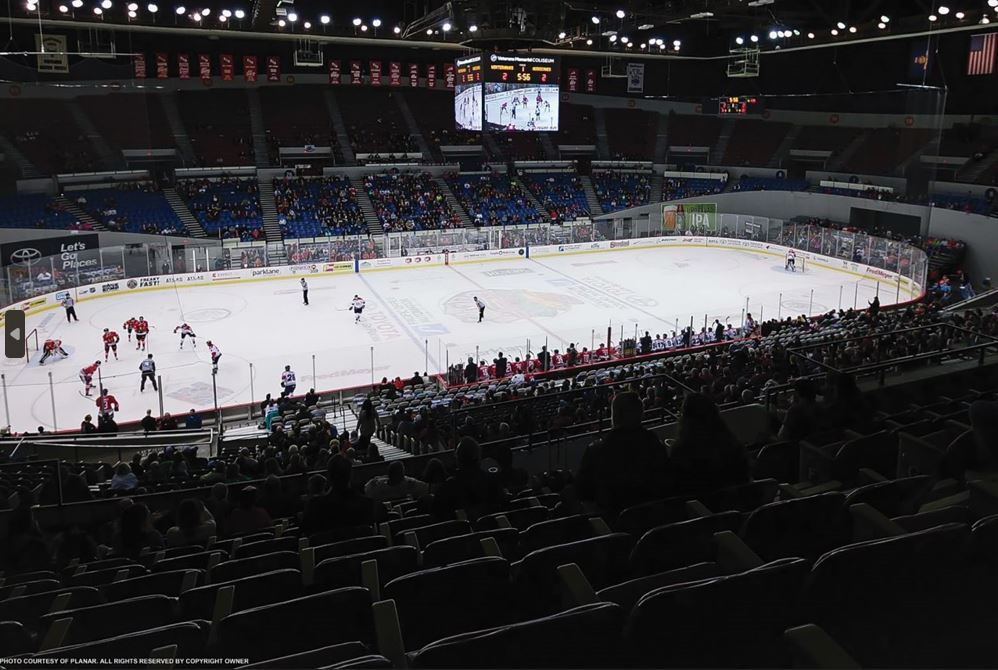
668,27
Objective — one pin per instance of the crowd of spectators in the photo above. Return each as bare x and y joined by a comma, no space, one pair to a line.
676,188
331,251
493,199
133,207
749,183
318,206
409,201
621,190
560,193
228,206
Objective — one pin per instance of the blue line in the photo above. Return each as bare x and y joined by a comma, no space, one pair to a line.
402,325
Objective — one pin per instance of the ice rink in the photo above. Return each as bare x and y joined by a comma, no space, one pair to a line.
547,119
468,108
416,319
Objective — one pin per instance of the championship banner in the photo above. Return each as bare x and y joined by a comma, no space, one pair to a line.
573,80
590,81
449,75
375,73
395,74
52,56
249,69
431,76
204,63
162,66
184,66
355,77
413,75
273,68
635,77
226,65
140,66
334,72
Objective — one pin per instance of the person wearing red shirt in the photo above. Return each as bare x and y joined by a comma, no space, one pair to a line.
141,330
107,405
111,340
129,326
51,348
87,376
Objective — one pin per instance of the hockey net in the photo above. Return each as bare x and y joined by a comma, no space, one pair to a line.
31,348
799,263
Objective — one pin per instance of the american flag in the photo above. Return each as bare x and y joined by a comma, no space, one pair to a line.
982,54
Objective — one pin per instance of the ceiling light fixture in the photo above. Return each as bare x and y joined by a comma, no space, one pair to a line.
292,17
852,29
240,14
595,20
620,14
324,19
960,15
589,43
181,10
739,40
944,10
376,23
398,29
754,38
840,25
933,18
63,8
357,22
561,35
98,11
835,32
882,25
810,36
446,27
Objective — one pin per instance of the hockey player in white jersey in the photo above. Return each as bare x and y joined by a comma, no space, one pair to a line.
216,353
357,305
185,332
288,381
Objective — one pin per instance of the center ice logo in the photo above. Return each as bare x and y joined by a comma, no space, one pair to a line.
509,305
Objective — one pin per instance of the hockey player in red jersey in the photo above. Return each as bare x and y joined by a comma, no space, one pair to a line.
87,376
51,348
107,405
129,326
111,340
141,331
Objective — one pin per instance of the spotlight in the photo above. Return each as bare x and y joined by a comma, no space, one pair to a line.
625,39
835,32
992,3
882,25
105,4
398,29
240,14
196,16
677,43
227,13
206,11
98,11
376,23
429,31
132,14
754,38
985,21
77,3
644,45
772,34
613,38
222,18
63,8
282,23
960,15
796,33
595,20
852,29
887,19
561,35
675,47
363,28
308,25
181,10
292,17
152,8
944,10
620,13
589,43
840,25
933,18
30,6
739,40
356,22
810,36
446,27
324,19
132,7
471,29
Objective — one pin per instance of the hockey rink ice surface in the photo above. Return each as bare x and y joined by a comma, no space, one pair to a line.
547,120
416,319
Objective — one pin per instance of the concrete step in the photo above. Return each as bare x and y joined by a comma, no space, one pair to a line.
367,208
74,209
454,203
183,212
587,185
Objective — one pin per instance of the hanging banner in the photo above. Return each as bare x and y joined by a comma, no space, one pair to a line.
375,73
431,76
395,74
225,65
590,81
273,68
573,80
184,66
52,53
162,66
334,72
249,69
355,77
413,75
449,74
635,77
140,66
204,62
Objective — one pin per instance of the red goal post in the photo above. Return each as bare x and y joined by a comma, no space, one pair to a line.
31,348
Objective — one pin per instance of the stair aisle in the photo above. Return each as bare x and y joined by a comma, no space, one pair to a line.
183,212
367,207
594,207
454,203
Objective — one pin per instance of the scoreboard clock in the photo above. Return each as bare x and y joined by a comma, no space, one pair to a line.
515,69
737,105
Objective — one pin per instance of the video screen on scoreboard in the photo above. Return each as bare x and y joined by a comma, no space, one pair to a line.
521,93
468,93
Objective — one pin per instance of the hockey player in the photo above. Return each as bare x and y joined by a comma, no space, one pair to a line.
304,290
185,332
148,370
51,348
357,305
215,355
480,304
87,376
288,381
791,261
107,405
111,340
129,326
141,331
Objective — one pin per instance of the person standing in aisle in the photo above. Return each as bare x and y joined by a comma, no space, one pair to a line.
304,290
148,370
288,381
70,306
480,304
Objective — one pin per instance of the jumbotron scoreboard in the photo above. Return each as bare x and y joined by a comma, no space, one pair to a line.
515,69
734,105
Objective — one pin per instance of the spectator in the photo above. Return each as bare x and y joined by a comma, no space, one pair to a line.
368,423
193,420
136,533
311,398
469,489
148,422
341,506
626,466
124,479
216,474
168,422
706,455
395,485
802,415
219,506
195,525
87,427
274,500
248,516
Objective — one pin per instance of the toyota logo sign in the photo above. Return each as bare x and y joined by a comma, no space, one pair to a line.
26,256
